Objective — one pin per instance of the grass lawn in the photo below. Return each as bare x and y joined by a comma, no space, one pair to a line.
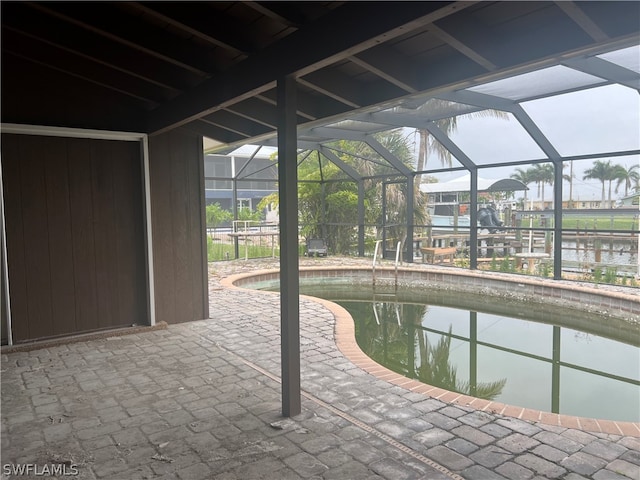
224,251
600,223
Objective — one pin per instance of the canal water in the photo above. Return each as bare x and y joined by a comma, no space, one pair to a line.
530,355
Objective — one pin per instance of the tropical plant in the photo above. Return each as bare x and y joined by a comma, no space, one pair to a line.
372,167
216,215
328,197
249,215
392,335
435,369
524,176
603,171
435,108
542,174
627,177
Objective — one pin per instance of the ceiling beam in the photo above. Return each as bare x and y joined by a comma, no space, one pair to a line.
462,47
479,100
583,20
536,134
268,10
75,40
223,126
387,155
414,120
345,167
343,134
333,85
383,60
214,28
256,110
105,20
311,106
270,99
78,67
236,123
607,70
300,53
214,132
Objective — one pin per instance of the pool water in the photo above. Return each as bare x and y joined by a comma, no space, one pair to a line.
529,355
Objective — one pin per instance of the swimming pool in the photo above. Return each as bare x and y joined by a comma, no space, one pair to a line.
507,352
569,324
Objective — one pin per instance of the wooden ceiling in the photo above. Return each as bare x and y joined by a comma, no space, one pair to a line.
212,67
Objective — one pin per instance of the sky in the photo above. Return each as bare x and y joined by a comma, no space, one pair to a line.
598,120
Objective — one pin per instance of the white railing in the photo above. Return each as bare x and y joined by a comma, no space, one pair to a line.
375,260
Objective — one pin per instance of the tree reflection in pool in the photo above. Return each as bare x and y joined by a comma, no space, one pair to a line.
526,354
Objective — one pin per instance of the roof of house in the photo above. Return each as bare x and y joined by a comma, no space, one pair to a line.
463,184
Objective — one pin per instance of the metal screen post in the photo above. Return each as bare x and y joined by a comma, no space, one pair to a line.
361,226
473,220
557,220
410,207
289,282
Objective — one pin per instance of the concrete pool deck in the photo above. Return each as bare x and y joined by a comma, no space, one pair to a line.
201,400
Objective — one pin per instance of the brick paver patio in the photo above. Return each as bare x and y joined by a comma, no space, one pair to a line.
202,401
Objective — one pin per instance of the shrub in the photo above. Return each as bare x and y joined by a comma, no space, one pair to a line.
611,275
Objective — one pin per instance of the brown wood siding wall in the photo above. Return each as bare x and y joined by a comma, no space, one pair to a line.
3,300
75,235
177,207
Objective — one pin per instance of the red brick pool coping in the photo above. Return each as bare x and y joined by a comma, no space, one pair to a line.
346,342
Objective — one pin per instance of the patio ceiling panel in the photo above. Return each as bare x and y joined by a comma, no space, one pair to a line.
311,105
117,21
300,53
94,51
254,110
505,95
152,66
93,74
628,58
208,22
603,69
533,29
388,64
462,47
237,123
612,17
221,134
336,85
578,15
544,82
358,126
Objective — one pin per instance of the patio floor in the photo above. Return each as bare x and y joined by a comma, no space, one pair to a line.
202,401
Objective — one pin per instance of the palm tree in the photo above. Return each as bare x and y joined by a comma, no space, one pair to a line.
525,177
448,125
569,178
603,171
627,177
542,174
435,369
